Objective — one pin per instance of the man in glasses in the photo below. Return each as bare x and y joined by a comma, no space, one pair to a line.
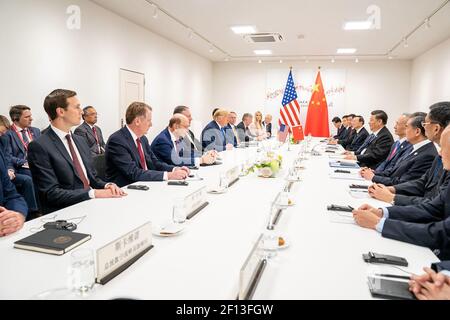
91,132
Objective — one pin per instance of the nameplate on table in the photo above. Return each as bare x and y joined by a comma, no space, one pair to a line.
121,253
252,270
233,175
195,202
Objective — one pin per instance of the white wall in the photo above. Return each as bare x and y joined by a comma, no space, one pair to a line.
430,77
370,85
38,54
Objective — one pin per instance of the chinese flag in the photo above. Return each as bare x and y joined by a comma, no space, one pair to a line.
317,117
297,132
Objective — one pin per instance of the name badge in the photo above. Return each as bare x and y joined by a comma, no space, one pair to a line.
121,253
195,202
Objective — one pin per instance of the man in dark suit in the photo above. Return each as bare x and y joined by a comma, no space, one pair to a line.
13,208
430,183
196,145
426,224
231,130
267,123
337,122
401,146
214,136
61,162
360,134
242,128
91,132
411,165
170,145
129,158
20,135
376,147
22,182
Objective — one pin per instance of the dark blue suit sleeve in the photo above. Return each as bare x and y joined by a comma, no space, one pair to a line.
12,200
435,235
423,213
123,162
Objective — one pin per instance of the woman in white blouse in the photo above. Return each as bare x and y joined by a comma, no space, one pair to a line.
256,128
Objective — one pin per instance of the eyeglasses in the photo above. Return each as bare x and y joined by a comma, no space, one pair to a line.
423,123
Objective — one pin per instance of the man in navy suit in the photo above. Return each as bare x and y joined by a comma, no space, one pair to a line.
170,145
426,224
401,146
13,208
431,182
411,165
355,141
377,145
61,162
129,158
20,136
337,122
214,135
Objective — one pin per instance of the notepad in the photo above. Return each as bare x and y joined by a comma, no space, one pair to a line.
52,241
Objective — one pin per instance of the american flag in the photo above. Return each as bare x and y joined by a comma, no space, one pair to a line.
290,111
282,133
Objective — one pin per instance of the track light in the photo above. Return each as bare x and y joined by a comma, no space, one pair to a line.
259,61
332,60
356,60
427,23
405,43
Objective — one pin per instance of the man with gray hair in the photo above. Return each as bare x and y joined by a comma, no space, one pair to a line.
242,128
171,147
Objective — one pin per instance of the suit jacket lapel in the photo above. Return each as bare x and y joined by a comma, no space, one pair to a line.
62,149
18,141
132,145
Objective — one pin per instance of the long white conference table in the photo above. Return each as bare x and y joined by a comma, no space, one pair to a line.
323,260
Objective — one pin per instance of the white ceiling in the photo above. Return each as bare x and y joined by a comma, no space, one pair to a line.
320,21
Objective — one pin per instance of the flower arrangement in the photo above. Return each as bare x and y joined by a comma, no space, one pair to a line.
270,165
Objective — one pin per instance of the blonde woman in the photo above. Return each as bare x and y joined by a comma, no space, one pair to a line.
256,128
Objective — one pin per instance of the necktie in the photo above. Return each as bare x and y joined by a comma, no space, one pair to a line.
177,146
236,135
141,154
25,137
438,167
366,143
223,136
394,150
76,163
94,130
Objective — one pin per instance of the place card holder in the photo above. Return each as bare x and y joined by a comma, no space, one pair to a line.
120,254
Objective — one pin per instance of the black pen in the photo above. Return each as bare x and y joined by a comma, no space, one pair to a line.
393,276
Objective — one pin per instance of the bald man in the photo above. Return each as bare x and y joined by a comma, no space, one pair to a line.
171,147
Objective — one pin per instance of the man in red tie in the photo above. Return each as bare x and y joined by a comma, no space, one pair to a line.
91,132
61,163
129,158
19,137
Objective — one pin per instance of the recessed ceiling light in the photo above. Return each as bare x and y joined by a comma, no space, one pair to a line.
332,60
358,25
243,29
281,61
346,51
263,52
356,60
259,61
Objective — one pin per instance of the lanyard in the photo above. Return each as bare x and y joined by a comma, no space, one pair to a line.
20,136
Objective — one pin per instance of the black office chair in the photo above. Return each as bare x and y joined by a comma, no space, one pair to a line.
100,166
